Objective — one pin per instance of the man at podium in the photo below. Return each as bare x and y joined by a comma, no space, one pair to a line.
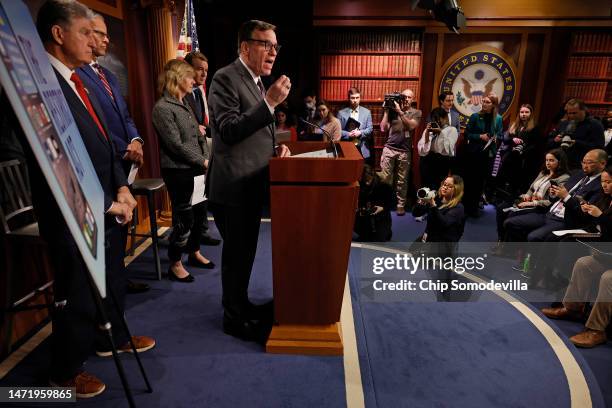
242,126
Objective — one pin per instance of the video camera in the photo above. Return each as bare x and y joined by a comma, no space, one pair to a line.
392,97
567,139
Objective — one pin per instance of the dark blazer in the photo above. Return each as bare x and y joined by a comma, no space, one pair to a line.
101,152
197,108
118,120
443,224
591,192
242,128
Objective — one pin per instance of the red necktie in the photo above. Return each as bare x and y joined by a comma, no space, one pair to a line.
83,94
104,80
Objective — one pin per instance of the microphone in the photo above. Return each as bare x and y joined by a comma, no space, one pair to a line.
326,133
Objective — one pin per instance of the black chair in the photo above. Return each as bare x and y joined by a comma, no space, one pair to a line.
147,188
20,230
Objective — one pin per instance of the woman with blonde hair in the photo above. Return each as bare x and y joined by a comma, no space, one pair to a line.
183,156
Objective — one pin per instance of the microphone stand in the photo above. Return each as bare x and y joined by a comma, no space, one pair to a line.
326,133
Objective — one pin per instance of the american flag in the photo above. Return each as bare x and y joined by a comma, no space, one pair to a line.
188,40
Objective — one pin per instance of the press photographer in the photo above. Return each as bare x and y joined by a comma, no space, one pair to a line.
373,218
578,134
437,149
400,119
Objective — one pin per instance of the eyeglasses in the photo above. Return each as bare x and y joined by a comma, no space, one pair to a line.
448,185
101,34
589,162
267,44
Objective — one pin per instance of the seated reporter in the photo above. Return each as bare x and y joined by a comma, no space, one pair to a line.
183,155
436,148
373,218
329,123
586,184
537,198
588,272
445,216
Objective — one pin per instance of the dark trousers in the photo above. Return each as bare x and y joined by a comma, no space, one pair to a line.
477,167
74,316
239,229
186,219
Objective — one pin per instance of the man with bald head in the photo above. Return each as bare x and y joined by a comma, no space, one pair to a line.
583,186
103,84
400,121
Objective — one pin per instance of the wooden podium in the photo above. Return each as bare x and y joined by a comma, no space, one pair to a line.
313,203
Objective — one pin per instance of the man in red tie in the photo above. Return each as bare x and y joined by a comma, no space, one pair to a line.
65,30
104,86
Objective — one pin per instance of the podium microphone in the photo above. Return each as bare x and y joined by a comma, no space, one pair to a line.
326,133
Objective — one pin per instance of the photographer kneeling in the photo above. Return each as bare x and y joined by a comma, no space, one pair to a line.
373,218
445,216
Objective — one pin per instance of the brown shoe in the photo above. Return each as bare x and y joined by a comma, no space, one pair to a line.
400,211
142,343
86,385
589,338
563,313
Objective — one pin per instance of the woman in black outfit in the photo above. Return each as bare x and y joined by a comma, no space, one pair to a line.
445,217
520,152
373,219
183,156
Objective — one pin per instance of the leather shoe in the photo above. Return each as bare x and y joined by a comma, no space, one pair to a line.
85,384
246,329
563,313
142,344
210,241
186,279
136,287
589,338
263,312
194,262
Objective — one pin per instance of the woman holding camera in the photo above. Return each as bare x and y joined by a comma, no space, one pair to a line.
445,216
437,149
519,152
537,198
482,131
183,155
329,123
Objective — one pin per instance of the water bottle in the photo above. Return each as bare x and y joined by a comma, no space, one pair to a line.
526,267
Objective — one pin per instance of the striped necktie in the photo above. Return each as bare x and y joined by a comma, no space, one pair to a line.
104,80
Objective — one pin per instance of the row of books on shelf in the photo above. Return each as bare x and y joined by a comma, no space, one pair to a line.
371,65
590,67
371,90
588,91
370,41
600,111
592,42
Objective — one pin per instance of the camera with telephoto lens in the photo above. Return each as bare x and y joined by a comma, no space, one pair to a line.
425,193
519,148
567,137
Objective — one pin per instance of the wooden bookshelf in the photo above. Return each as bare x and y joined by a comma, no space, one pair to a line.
589,70
376,61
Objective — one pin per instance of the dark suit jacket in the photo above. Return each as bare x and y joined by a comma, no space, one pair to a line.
592,192
102,153
195,107
242,128
118,120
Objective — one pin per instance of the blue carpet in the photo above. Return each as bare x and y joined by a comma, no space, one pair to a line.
425,354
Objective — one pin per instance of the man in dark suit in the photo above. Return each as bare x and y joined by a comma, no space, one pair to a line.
65,30
242,125
584,186
445,101
104,85
197,100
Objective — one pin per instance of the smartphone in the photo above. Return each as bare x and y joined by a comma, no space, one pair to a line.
554,183
434,125
581,199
